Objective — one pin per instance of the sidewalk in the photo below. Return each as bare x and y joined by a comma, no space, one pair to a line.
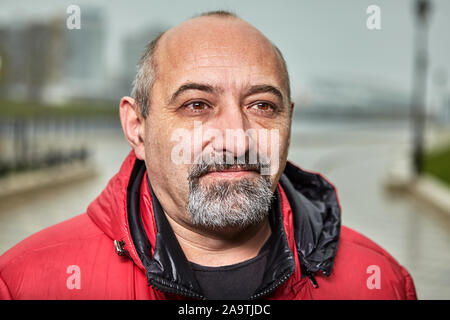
29,181
425,188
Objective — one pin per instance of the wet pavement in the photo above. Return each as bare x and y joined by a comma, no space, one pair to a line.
354,155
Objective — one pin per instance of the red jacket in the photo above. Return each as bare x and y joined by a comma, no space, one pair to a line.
313,258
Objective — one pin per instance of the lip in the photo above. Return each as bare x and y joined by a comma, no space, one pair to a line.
230,174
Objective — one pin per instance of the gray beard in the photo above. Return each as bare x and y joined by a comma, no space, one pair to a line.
224,204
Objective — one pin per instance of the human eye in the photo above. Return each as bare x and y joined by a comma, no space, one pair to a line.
196,107
263,107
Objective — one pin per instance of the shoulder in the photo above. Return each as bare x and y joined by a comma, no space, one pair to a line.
351,240
46,255
364,270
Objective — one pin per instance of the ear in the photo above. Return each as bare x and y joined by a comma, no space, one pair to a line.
291,116
133,125
292,112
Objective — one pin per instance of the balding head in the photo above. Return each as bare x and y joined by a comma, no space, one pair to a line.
220,30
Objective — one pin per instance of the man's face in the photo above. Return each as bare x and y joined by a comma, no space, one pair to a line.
219,96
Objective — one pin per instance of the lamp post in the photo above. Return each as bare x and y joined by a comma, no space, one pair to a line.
418,110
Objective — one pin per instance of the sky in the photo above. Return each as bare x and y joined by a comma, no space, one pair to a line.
319,39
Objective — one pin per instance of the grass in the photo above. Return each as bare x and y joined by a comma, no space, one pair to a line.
14,109
438,164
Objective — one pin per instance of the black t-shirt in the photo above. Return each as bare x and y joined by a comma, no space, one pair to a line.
237,281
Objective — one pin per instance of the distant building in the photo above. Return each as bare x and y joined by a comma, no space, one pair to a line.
31,59
133,47
85,68
43,61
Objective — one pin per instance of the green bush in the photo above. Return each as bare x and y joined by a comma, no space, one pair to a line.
438,164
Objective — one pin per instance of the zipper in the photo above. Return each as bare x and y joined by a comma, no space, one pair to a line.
118,246
170,288
274,286
313,280
167,288
310,274
283,278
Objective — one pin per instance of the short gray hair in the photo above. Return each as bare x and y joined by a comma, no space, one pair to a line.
147,67
145,76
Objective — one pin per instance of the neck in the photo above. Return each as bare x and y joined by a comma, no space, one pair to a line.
219,248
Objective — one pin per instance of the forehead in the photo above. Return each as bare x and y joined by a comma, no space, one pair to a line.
220,50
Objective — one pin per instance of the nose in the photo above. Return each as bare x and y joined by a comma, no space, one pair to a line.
230,126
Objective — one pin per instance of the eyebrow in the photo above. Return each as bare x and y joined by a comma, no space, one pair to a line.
263,88
192,86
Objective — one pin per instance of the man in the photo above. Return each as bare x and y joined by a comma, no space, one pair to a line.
206,205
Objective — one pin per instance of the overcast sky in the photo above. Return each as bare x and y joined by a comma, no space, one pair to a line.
326,39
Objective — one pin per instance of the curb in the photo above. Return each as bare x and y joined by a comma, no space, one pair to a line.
425,188
23,182
432,191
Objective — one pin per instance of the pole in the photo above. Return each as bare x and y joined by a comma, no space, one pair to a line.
418,110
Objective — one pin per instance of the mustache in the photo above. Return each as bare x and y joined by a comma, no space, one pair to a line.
220,164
